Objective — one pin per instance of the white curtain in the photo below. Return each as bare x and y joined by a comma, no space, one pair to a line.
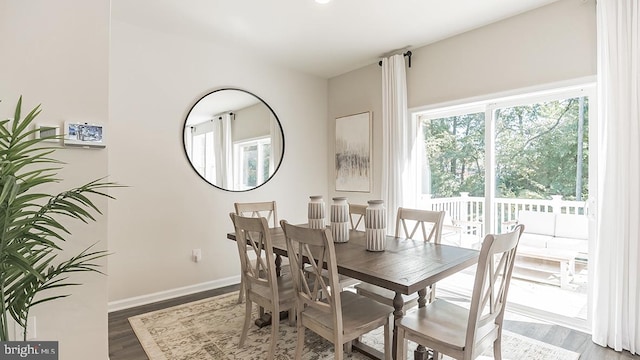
222,143
276,143
616,289
398,178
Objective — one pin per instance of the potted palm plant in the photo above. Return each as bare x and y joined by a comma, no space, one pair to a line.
32,228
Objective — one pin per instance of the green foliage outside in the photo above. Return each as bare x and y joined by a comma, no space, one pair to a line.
537,152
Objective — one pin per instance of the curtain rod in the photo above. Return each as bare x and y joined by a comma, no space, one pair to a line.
407,54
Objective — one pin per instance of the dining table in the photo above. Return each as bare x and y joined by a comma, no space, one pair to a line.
406,266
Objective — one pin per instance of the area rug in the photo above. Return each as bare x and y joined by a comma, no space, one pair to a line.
209,329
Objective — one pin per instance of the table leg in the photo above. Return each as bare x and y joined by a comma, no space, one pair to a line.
421,352
398,303
278,264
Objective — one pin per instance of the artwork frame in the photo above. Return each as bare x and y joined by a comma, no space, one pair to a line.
83,134
353,149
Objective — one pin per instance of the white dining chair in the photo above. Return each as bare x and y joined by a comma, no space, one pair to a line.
460,332
262,285
266,209
322,307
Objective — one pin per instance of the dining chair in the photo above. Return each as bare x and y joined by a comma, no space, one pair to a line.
410,224
465,333
266,209
338,316
356,216
262,285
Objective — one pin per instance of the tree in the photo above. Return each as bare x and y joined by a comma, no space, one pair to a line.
536,151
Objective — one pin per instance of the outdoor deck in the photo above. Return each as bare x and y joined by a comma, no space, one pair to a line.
536,284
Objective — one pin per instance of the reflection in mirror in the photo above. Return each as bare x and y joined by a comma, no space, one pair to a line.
233,139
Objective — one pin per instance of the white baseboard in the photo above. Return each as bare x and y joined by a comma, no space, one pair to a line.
170,294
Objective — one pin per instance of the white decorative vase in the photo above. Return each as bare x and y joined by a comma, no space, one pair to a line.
375,223
340,219
316,212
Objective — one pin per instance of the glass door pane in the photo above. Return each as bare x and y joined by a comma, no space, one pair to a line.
453,180
453,174
541,172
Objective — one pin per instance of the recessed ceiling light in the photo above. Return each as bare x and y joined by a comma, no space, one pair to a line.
322,1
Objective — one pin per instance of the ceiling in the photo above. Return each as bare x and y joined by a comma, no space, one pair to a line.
323,40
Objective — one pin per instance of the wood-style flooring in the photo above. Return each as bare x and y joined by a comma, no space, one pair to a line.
123,344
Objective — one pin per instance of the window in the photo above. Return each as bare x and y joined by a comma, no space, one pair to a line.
532,148
252,162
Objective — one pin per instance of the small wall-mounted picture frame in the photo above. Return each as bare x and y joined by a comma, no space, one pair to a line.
48,132
84,134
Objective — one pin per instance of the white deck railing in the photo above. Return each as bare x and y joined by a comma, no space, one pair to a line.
471,209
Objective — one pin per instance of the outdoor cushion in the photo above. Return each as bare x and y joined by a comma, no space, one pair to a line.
534,240
537,222
572,226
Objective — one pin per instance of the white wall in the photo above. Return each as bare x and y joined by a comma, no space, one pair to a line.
168,210
550,44
54,57
251,122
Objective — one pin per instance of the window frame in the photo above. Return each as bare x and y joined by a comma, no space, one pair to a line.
238,160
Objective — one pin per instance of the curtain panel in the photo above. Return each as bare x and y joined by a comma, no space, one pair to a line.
616,288
398,141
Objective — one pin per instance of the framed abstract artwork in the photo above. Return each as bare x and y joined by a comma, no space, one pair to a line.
353,152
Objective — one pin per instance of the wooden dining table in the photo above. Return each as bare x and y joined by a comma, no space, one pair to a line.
406,266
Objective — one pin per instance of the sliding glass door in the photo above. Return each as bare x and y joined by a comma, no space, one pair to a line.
524,159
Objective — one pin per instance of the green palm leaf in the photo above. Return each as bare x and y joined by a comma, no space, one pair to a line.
30,220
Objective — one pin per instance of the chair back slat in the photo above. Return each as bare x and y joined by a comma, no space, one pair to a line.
493,276
409,221
266,209
356,215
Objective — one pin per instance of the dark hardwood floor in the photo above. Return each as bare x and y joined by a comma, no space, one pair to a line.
123,344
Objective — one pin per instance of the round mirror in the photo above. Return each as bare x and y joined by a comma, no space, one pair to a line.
233,139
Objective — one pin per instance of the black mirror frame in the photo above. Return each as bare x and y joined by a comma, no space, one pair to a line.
184,145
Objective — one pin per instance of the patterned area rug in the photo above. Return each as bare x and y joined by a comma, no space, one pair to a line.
209,329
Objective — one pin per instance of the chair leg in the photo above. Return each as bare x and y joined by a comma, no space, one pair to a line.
241,293
387,340
338,346
348,347
300,344
401,351
275,331
338,351
292,317
497,348
247,321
